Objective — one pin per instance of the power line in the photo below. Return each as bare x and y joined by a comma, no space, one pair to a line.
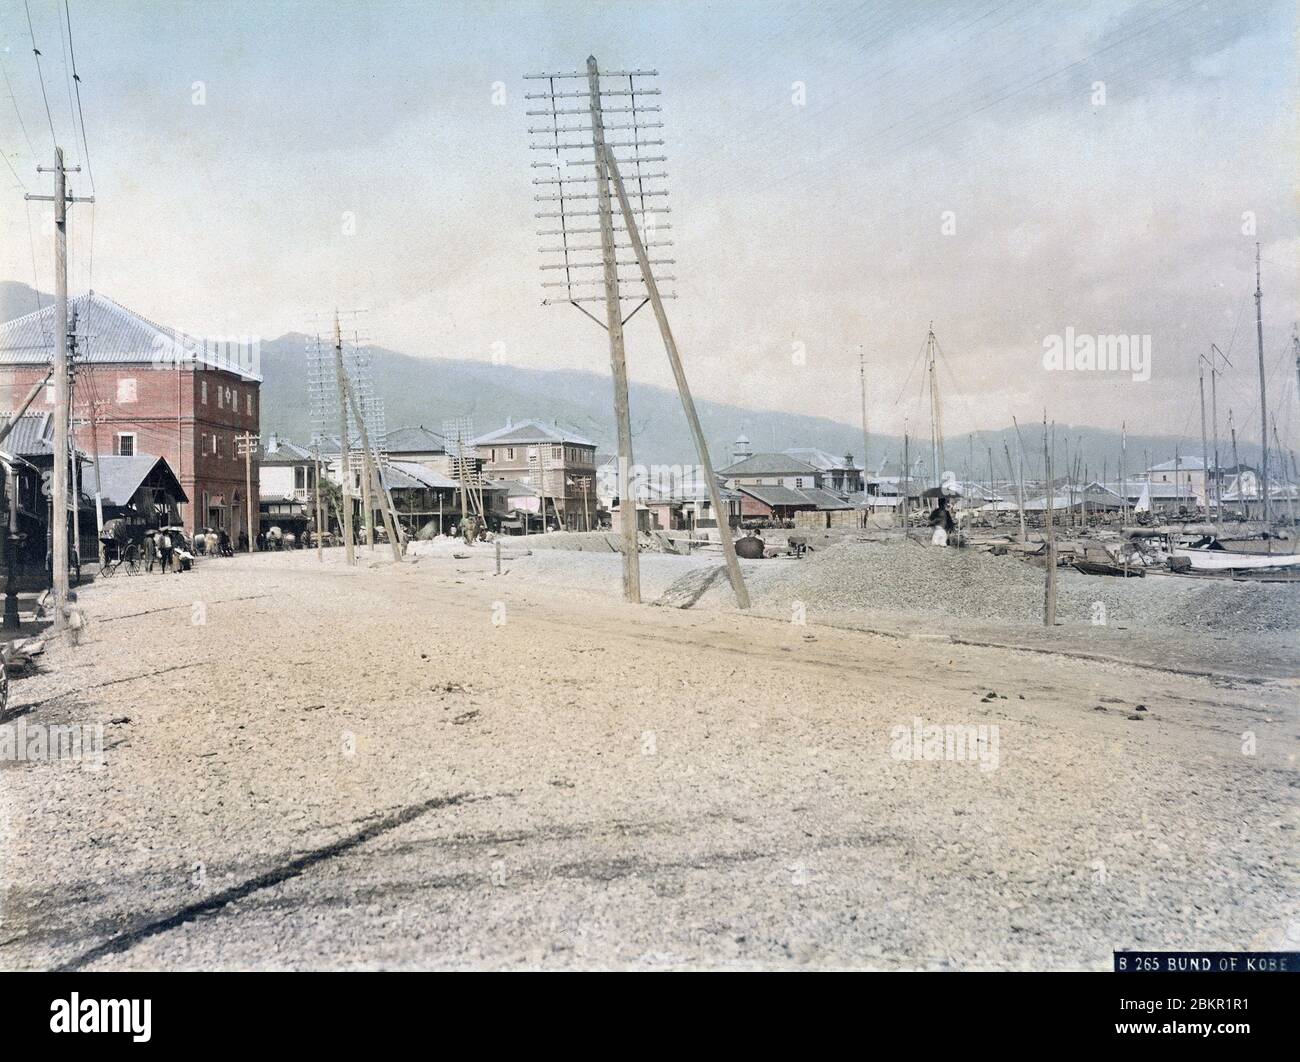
81,117
37,52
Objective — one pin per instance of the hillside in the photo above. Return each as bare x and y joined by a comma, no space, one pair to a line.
429,390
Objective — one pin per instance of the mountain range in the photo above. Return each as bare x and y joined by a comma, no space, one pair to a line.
431,390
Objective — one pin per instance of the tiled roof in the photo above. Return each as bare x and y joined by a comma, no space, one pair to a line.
109,333
824,499
417,440
409,474
769,465
791,497
532,431
33,434
822,459
287,453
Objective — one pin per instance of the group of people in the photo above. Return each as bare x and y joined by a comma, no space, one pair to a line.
166,548
214,543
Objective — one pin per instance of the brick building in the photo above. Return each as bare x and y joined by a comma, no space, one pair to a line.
139,389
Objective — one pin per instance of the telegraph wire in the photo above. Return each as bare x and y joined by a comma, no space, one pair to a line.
37,53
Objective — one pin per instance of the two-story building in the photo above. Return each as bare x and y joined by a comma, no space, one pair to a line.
838,474
139,388
558,463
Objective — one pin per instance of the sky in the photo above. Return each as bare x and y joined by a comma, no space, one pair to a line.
841,176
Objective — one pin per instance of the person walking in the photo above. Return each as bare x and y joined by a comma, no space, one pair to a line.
165,550
150,553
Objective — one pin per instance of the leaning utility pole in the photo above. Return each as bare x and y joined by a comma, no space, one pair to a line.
370,472
683,388
1263,396
59,482
345,455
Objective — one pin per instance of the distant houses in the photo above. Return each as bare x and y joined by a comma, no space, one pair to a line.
558,464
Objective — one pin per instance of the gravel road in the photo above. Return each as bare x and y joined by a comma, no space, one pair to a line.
427,765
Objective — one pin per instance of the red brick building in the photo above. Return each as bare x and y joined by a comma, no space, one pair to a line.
141,389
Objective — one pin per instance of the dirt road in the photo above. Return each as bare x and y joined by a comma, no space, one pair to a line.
432,766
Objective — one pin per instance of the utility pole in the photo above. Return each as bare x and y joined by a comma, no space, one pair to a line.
247,443
1214,428
935,430
907,486
1263,396
320,555
618,364
345,456
683,388
1205,446
866,437
1123,472
59,484
72,442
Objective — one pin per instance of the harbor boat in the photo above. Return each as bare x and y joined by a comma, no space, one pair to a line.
1092,567
1222,560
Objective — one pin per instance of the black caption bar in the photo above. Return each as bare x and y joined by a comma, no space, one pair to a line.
1193,962
338,1012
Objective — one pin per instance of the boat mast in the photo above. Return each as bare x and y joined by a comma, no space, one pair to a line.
1263,396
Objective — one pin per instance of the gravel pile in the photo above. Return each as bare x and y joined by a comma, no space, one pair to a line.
968,584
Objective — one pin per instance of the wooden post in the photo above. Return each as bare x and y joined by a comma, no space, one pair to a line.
372,473
907,487
1049,602
683,388
59,484
1263,407
320,555
497,543
248,489
345,457
618,364
1020,489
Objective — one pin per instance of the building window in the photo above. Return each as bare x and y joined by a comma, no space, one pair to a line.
798,481
557,452
248,403
510,450
126,389
126,444
49,393
221,398
203,391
